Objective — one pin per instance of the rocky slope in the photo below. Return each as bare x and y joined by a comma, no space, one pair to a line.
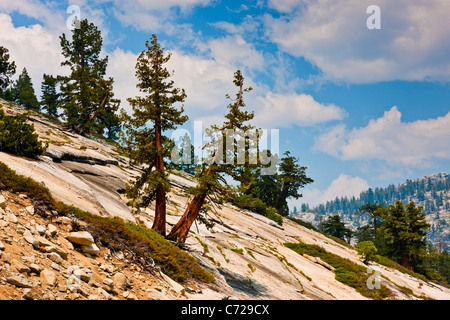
243,250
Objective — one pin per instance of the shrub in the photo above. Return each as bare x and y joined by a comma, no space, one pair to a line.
272,214
248,202
303,223
368,251
18,137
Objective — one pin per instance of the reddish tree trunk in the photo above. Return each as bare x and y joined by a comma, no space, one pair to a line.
159,224
405,262
180,231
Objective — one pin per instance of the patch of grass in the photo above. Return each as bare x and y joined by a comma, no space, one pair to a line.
303,223
250,253
273,215
117,234
340,241
345,271
204,245
392,264
251,267
240,251
223,254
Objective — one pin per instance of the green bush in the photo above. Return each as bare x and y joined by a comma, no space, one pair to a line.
368,251
303,223
248,202
18,137
272,214
10,180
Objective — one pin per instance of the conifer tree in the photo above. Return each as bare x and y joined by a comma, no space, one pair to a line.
86,95
50,96
23,92
7,69
210,176
153,114
292,177
404,231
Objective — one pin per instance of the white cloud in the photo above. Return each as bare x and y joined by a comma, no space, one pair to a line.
412,43
234,50
342,186
284,110
47,12
33,47
205,81
387,138
152,15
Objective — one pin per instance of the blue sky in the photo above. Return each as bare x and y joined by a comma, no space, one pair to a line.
358,107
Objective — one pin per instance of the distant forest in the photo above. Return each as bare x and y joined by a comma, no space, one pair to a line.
431,193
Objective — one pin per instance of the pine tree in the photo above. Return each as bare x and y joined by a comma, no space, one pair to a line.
292,177
50,96
404,230
18,137
23,92
333,226
86,95
146,144
211,174
7,69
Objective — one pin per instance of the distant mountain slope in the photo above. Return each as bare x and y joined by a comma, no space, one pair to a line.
432,192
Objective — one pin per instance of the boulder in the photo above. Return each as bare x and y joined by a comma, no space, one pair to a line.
48,278
52,230
2,202
30,209
121,281
10,217
91,249
55,257
81,237
20,281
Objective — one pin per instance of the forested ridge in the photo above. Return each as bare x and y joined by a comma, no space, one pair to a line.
432,192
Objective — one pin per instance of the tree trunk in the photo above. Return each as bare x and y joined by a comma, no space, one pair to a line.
159,224
405,262
180,231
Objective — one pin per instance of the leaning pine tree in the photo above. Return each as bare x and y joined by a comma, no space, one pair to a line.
211,174
143,136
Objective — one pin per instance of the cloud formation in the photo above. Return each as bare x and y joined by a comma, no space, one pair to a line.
342,186
276,110
332,35
413,144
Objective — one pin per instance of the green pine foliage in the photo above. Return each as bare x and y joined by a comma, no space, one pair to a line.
50,97
18,137
333,226
274,190
143,137
404,230
7,70
23,92
87,97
